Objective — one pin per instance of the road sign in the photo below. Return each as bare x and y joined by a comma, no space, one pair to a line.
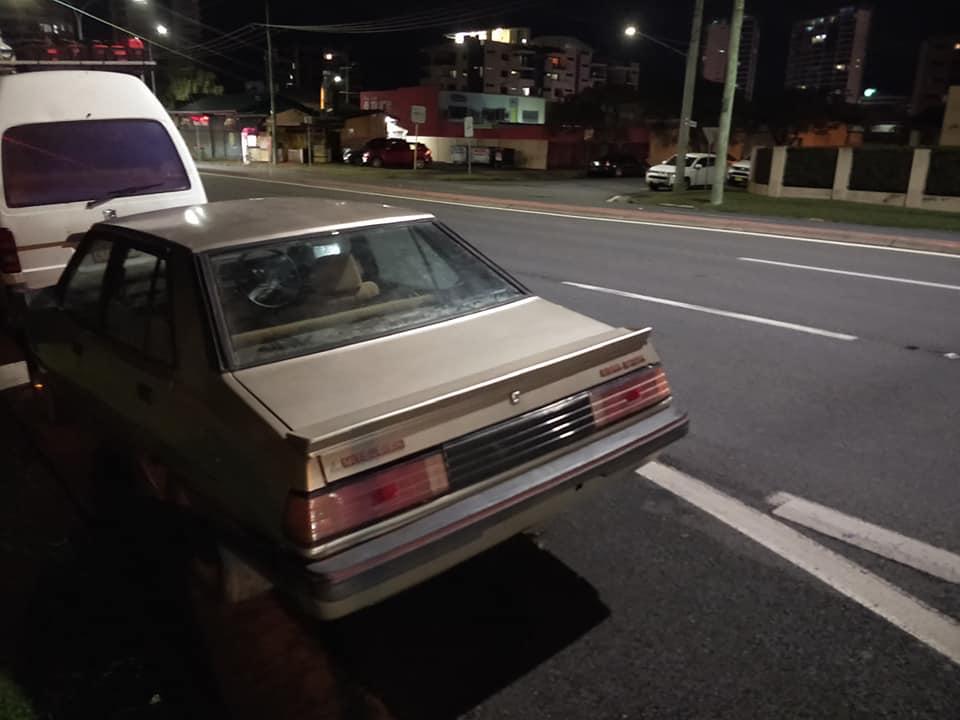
468,126
418,114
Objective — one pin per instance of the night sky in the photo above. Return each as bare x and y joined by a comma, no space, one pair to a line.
390,60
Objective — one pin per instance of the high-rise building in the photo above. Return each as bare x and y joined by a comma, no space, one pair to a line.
715,45
938,67
507,61
497,61
827,54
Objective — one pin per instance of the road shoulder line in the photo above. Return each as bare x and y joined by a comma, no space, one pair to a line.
854,239
901,609
873,538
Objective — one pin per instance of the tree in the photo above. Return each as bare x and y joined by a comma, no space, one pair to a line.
183,82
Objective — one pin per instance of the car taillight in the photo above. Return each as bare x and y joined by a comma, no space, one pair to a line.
427,153
309,518
9,259
627,395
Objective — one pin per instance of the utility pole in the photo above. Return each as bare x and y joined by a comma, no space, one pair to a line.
726,109
686,110
273,108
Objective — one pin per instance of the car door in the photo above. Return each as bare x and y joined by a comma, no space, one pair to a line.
136,350
400,153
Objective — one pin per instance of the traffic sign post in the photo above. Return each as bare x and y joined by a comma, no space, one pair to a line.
418,114
468,133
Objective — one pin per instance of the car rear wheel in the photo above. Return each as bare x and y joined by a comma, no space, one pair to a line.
377,162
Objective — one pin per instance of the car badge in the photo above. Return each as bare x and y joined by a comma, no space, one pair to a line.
515,397
109,214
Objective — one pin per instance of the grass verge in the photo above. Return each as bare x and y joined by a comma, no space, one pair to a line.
741,202
13,703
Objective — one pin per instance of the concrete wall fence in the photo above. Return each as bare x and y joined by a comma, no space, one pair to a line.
903,177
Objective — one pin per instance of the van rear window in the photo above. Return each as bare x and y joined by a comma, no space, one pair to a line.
63,162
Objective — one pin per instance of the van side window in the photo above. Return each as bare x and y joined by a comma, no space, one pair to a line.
82,293
137,304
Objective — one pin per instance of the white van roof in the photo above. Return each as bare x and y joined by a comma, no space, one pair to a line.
62,95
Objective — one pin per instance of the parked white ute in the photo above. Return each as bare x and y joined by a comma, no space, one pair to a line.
76,148
699,171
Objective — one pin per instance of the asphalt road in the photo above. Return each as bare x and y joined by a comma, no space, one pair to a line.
835,387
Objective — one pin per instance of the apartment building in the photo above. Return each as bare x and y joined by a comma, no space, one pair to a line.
938,68
827,54
716,43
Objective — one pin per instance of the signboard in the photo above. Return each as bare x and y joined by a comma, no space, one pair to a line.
468,126
418,114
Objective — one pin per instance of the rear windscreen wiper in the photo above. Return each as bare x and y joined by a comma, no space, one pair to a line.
120,192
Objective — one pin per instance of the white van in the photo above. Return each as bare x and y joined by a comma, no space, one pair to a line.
77,147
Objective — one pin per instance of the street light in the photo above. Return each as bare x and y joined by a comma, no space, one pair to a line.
630,31
337,79
328,56
162,30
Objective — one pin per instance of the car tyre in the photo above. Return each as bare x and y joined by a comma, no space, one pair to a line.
686,183
377,162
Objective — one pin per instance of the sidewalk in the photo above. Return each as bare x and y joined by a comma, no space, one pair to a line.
492,194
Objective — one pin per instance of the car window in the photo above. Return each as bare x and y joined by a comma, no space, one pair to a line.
62,162
137,304
81,295
308,294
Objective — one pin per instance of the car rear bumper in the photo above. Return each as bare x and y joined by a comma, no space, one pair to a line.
381,567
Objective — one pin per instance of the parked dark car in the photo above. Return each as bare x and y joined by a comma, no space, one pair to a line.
394,152
617,165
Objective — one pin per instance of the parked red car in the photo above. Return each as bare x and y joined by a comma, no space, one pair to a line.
386,152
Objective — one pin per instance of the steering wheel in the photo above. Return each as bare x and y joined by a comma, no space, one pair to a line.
269,278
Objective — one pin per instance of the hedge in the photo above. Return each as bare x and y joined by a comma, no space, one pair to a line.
810,167
944,175
763,159
886,171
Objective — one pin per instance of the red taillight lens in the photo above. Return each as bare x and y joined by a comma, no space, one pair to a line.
627,395
9,259
375,495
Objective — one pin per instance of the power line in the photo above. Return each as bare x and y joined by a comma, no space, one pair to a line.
418,21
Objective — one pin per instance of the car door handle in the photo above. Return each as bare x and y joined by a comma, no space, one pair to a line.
145,393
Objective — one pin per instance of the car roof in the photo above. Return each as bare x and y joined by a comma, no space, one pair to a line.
227,223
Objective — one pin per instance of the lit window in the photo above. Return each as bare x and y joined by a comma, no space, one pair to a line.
817,39
526,91
513,72
840,66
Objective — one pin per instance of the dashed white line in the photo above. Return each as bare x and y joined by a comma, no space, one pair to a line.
833,271
906,612
13,375
593,218
716,311
878,540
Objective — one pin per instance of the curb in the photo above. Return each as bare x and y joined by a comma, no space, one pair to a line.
638,215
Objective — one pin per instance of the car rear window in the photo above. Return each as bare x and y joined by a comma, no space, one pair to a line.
309,294
63,162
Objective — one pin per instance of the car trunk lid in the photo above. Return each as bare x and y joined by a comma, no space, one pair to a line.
360,406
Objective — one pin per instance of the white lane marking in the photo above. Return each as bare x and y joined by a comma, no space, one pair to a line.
13,375
716,311
878,540
888,278
44,268
906,612
648,223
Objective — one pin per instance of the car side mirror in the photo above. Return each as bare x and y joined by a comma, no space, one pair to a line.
697,166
